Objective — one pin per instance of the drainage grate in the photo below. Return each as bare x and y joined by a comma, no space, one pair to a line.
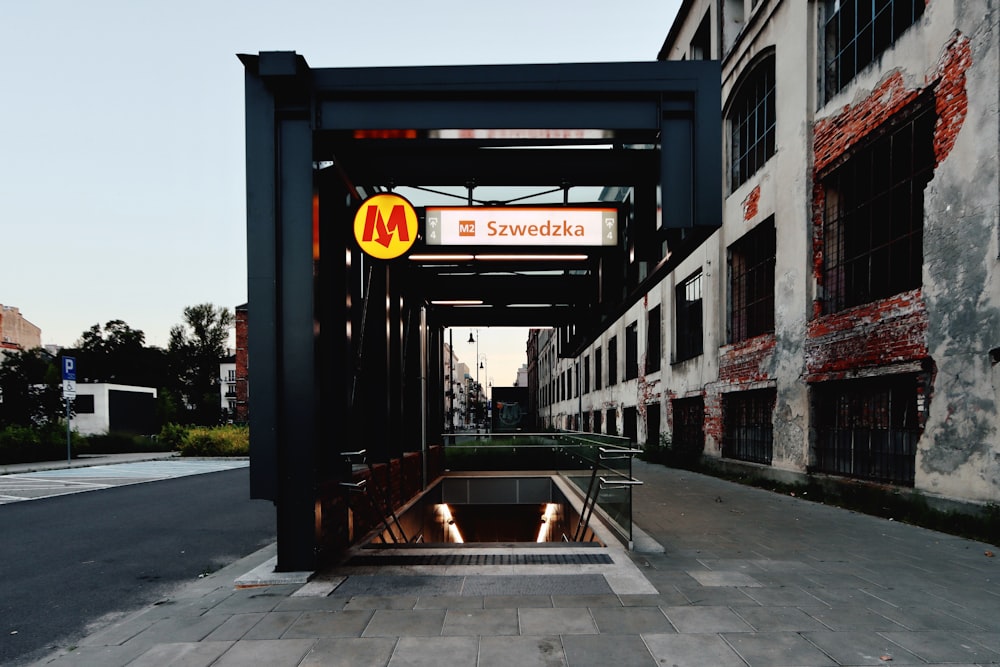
484,559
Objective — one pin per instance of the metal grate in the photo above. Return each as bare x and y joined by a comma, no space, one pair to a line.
873,226
749,431
483,559
868,429
751,274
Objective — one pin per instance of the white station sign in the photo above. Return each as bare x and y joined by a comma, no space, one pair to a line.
521,226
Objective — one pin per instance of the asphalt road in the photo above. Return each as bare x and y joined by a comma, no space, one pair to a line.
67,562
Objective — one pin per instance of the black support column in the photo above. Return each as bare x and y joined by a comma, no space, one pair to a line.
281,333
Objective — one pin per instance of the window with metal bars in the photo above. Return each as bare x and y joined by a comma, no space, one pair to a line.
751,123
858,31
747,424
632,351
751,283
868,429
873,219
689,318
689,425
654,349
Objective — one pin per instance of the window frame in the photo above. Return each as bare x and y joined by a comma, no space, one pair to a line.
860,256
689,318
751,261
752,122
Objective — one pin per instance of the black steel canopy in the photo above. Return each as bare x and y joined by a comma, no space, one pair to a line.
347,351
649,129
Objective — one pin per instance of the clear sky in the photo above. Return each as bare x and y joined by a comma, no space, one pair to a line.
122,190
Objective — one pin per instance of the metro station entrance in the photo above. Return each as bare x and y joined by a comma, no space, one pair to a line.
345,343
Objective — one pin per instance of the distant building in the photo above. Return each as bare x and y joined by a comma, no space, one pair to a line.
227,385
242,365
104,408
17,333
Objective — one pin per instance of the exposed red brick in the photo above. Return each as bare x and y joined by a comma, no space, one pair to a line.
834,136
242,367
951,101
750,204
746,361
888,331
713,427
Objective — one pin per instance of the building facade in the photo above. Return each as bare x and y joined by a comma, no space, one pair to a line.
845,319
242,361
227,386
17,333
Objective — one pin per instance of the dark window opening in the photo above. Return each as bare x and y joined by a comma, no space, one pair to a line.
586,374
701,42
611,422
751,124
689,318
83,404
748,426
652,426
632,351
688,438
630,423
873,220
858,31
654,346
868,429
613,361
751,275
597,368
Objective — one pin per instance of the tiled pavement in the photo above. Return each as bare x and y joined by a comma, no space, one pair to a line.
745,577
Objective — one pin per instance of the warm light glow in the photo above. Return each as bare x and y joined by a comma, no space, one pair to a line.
545,530
522,133
441,258
533,258
444,512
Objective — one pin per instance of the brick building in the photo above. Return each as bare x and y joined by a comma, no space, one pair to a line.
242,411
845,319
17,333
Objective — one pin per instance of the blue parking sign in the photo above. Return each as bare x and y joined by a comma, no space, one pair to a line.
69,368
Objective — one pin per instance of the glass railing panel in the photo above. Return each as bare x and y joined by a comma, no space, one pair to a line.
572,455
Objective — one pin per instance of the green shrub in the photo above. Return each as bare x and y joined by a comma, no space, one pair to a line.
120,443
31,444
172,436
227,440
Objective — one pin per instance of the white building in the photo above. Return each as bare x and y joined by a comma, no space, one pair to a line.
104,408
227,385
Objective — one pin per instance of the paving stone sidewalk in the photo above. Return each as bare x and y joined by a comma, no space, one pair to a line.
745,577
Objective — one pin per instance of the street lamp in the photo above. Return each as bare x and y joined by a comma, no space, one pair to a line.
478,365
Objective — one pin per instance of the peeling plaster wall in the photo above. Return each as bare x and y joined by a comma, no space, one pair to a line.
944,330
959,454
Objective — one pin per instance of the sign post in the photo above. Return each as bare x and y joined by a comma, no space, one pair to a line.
69,393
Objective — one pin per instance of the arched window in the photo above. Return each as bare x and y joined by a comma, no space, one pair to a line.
751,123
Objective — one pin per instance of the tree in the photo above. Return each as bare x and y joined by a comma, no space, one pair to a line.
116,354
195,350
30,394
